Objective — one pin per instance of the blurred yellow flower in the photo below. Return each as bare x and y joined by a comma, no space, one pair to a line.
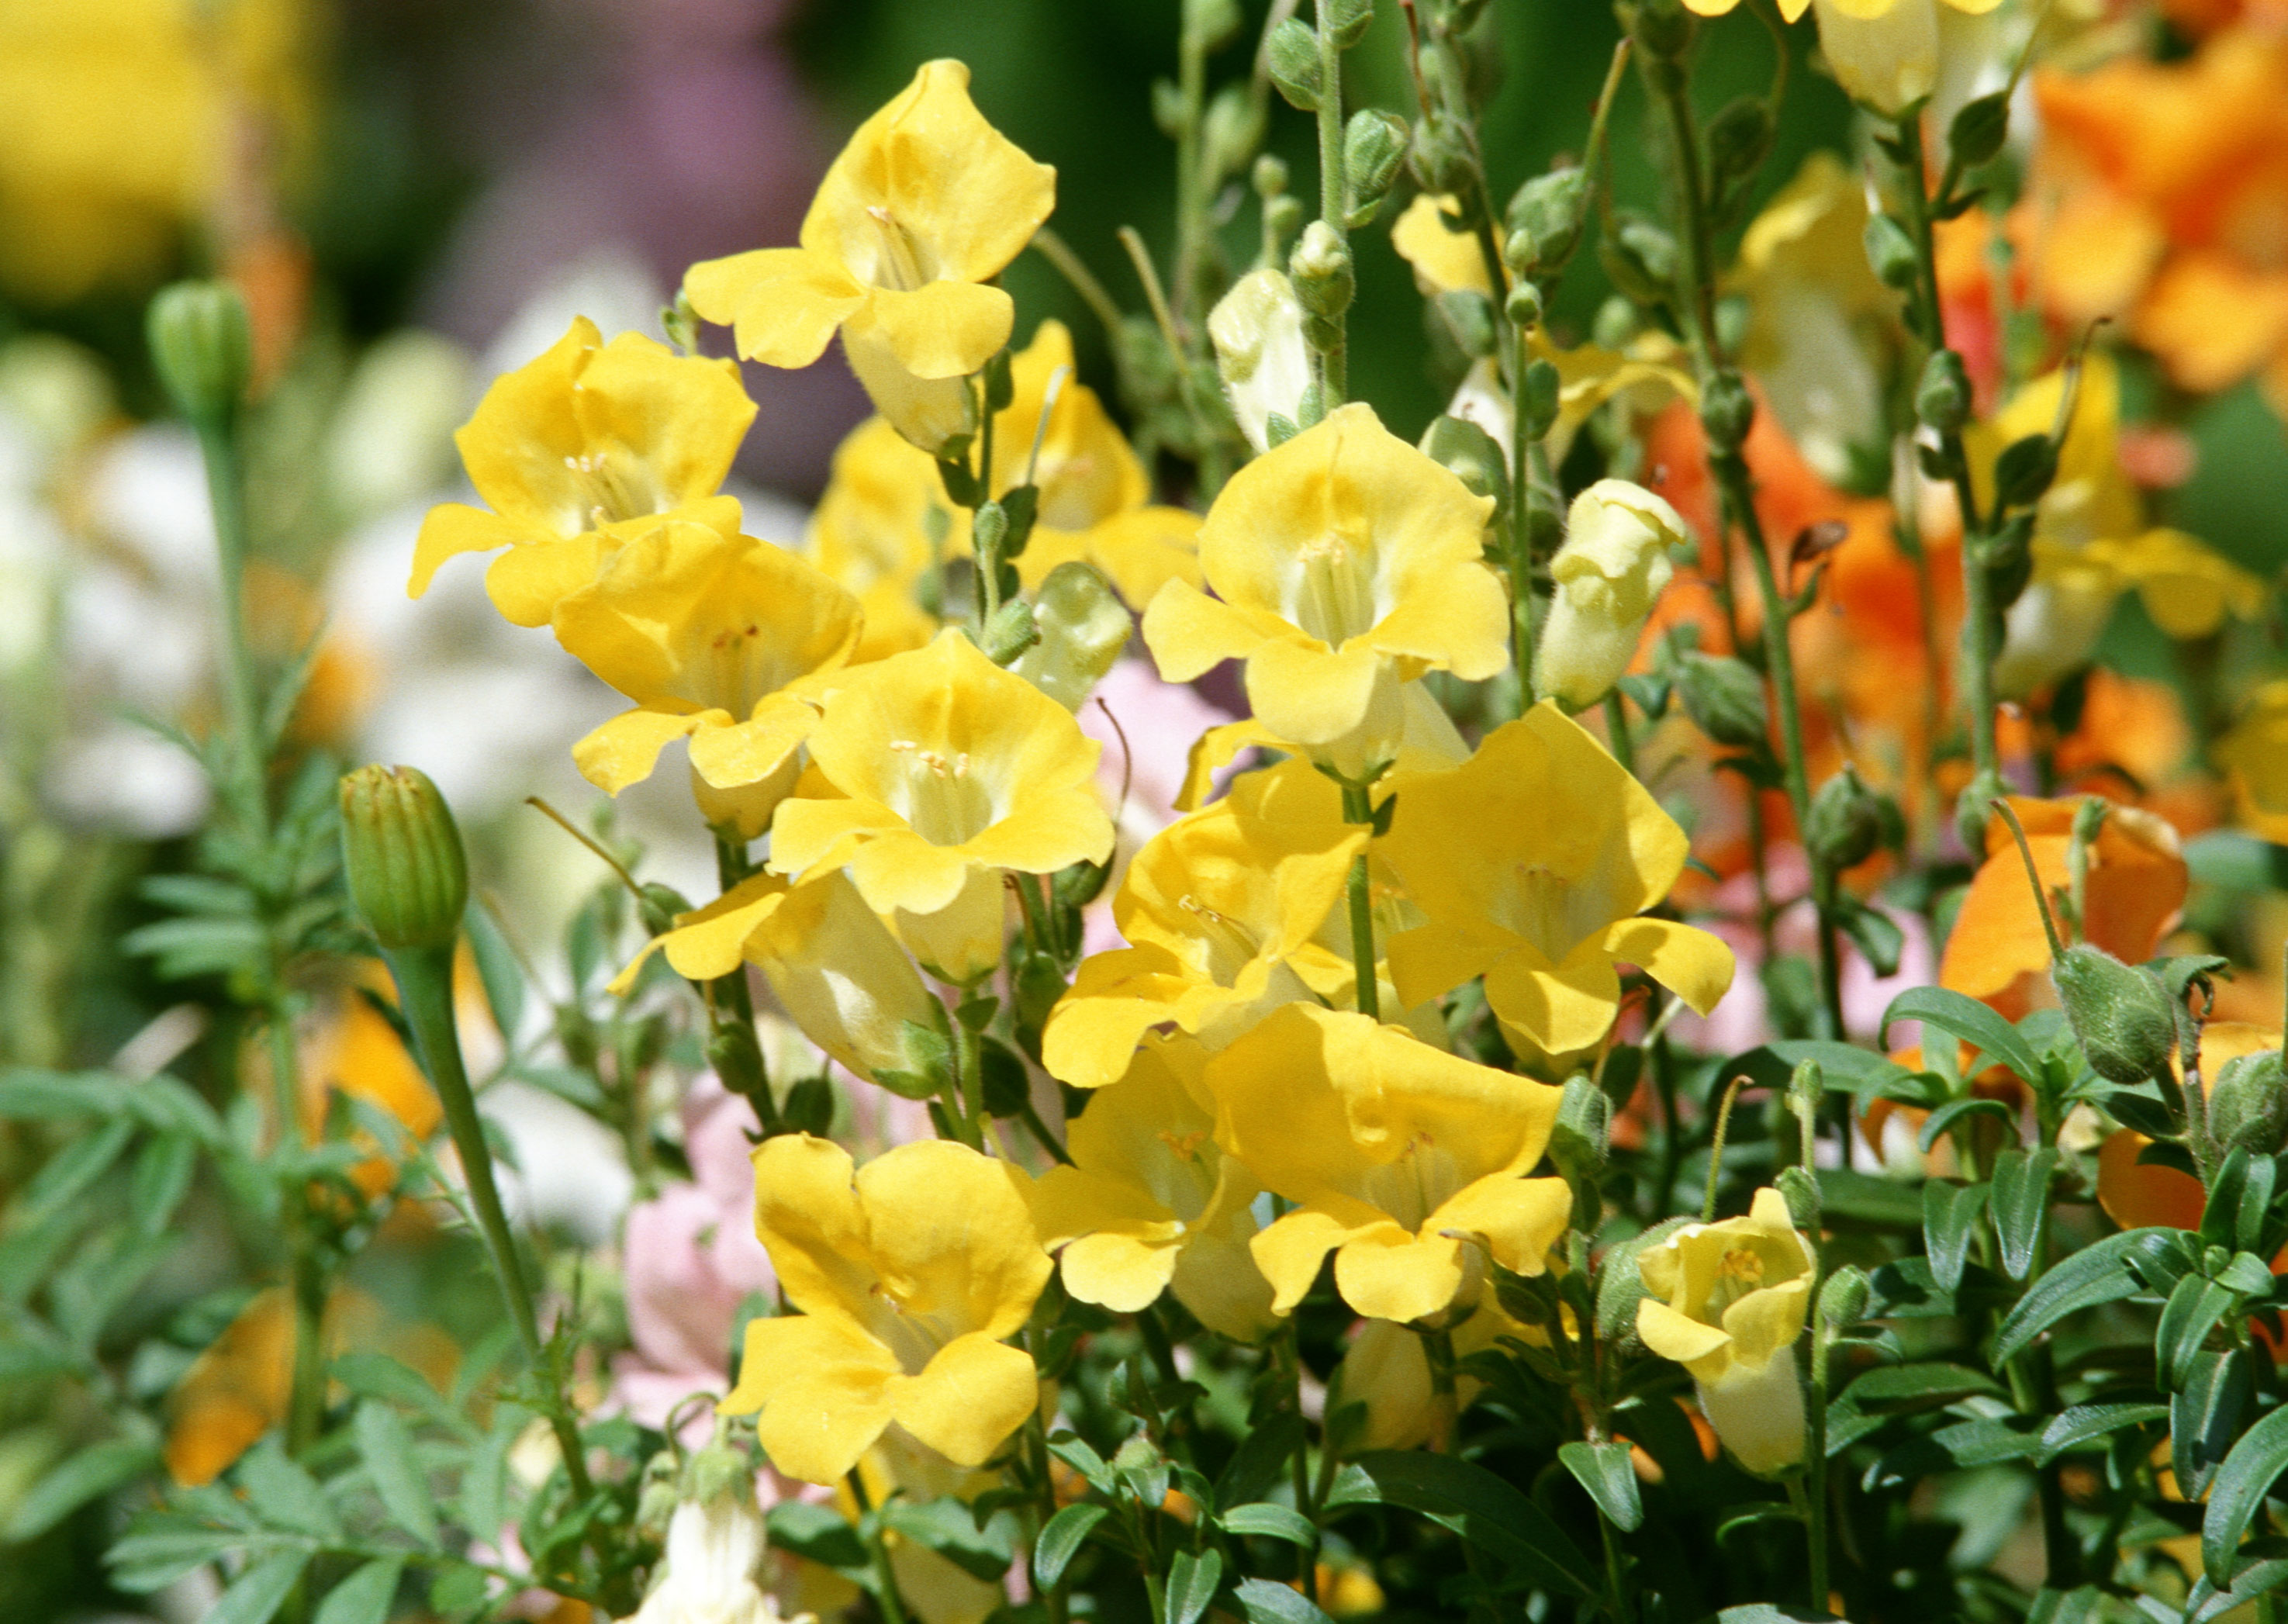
871,532
908,1276
1727,1301
1390,1150
925,204
1346,563
579,450
2255,753
941,770
1222,911
1444,260
1152,1204
713,637
1534,861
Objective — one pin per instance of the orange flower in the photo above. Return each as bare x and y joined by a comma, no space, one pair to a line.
2136,1194
2136,883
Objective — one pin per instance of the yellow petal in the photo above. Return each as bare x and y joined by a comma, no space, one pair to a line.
822,1390
624,750
1520,1218
1763,1322
1190,633
1291,1249
1388,1274
708,945
450,529
1679,1337
943,329
808,1217
529,580
785,302
1125,1274
1694,965
1310,695
969,1399
954,1225
1560,1007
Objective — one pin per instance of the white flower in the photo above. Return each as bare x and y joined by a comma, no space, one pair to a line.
1257,329
714,1548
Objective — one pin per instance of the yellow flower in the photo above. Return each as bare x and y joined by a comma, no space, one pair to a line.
2255,753
1152,1204
1387,1370
1610,572
871,531
713,636
832,965
926,203
1533,861
1402,1159
1444,260
579,450
944,770
1793,9
1256,329
1346,563
1222,910
1428,738
908,1277
1727,1301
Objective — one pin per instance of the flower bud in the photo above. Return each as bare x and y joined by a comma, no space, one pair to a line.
714,1548
1471,455
1843,1299
1211,23
1439,157
1550,209
989,527
1615,324
1584,1120
841,976
1640,258
1519,251
1230,129
1892,253
1539,399
1887,61
1662,29
1010,633
202,347
1269,175
1346,21
1081,630
1845,823
1293,54
1724,697
1727,412
1374,146
407,877
1524,305
2248,1103
1321,268
1611,570
1740,137
1257,329
2120,1013
1942,398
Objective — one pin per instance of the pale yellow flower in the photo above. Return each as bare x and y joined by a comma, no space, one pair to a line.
1257,329
578,451
1610,572
922,209
908,1275
2255,753
871,531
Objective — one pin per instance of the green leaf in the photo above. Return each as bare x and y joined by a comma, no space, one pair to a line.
1863,1197
1061,1540
1954,1111
2096,1274
2085,1423
364,1596
284,1494
2205,1418
1267,1601
497,970
161,1178
1266,1519
29,1095
1076,1454
2262,1568
817,1534
1968,1019
2021,1200
72,1169
2239,1491
2075,1607
1256,1464
260,1591
1950,1223
159,1549
1897,1388
82,1476
2233,1217
1192,1584
947,1527
1987,1441
2191,1312
484,1486
387,1447
1485,1510
1603,1470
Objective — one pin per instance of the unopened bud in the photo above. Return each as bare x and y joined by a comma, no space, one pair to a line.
1724,697
1584,1119
1846,822
1440,155
2120,1012
1616,323
1843,1299
989,528
1799,1186
2248,1103
1518,251
202,347
1942,398
1081,629
1538,401
1269,175
407,877
2007,558
1551,210
2024,470
1524,305
1374,146
1740,137
1320,269
1293,54
1727,412
1662,29
1211,23
1346,21
1470,454
1892,252
1640,258
1608,575
1010,632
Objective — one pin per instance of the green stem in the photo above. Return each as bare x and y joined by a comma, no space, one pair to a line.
1616,733
1445,1403
1334,200
877,1551
307,1402
1615,1584
1358,808
1521,472
735,1051
425,992
218,444
1814,1510
969,1062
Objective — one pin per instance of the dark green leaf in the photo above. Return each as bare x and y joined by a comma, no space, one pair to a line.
1950,1224
1968,1019
160,1548
162,1177
82,1476
364,1596
387,1448
2233,1217
1076,1454
1864,1198
2076,1606
1267,1601
1061,1539
1603,1470
72,1169
2021,1200
1987,1441
2261,1568
2238,1492
1192,1584
821,1534
1954,1111
1487,1512
2085,1423
1897,1388
260,1591
497,970
2192,1312
946,1527
1268,1519
2096,1274
2205,1418
1256,1463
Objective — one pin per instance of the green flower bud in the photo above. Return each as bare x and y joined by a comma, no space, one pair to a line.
1975,134
2007,558
1640,258
1550,209
1469,454
1211,23
202,347
1845,823
1727,412
1740,137
1800,1188
2248,1103
1081,629
1469,315
989,527
1269,175
1585,1121
1346,21
1282,217
1321,269
1294,58
1724,697
1843,1299
1942,398
2024,470
1440,155
1662,29
1616,323
1892,252
1538,401
2120,1013
1518,251
1524,305
1230,129
1374,146
407,879
1011,632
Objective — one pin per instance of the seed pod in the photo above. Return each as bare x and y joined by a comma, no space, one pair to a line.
1551,209
2248,1103
1321,269
1724,697
409,879
1374,146
1727,412
1892,252
1845,824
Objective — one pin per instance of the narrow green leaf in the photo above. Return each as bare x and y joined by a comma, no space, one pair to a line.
1076,1454
1267,1601
1060,1542
817,1534
1193,1582
1603,1470
2187,1318
387,1447
2233,1218
2077,1607
1954,1111
80,1477
1485,1510
1865,1198
2021,1201
162,1177
364,1596
30,1095
72,1169
1968,1019
2085,1423
484,1486
2238,1492
1950,1213
947,1527
2096,1274
2205,1418
2262,1567
1266,1519
284,1495
1918,1386
258,1593
497,970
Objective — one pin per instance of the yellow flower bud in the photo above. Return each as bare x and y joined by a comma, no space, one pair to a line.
1610,572
1257,329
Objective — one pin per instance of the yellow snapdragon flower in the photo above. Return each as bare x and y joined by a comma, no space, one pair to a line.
1222,910
714,639
922,209
1534,861
1443,260
1390,1150
834,967
1257,329
2255,753
1728,1301
1609,575
939,771
577,452
1346,563
1152,1204
870,533
1387,1370
908,1275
